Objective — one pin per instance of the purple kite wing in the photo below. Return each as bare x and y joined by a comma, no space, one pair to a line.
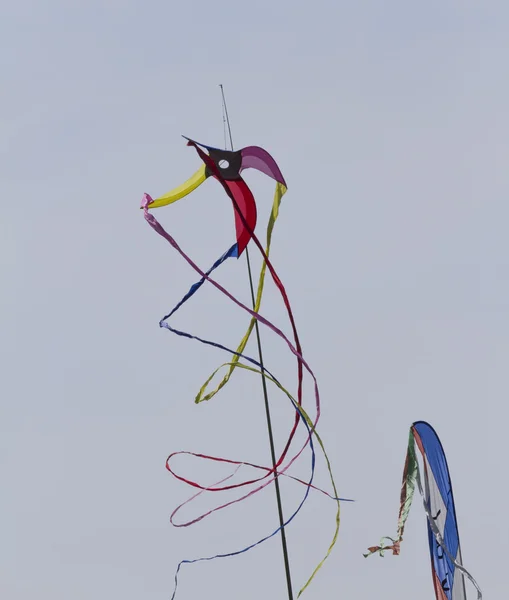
254,157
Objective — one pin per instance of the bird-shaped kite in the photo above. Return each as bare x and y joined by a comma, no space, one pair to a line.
227,165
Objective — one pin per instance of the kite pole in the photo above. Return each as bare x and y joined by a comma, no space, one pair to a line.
226,121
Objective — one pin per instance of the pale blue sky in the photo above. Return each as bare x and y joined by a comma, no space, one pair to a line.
389,121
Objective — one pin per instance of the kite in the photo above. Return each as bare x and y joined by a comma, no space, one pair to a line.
446,560
227,166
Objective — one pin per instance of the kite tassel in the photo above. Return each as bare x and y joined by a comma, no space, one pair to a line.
395,547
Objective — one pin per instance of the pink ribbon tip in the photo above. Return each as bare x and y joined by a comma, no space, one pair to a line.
146,201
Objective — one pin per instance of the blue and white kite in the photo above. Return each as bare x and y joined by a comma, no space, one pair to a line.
446,561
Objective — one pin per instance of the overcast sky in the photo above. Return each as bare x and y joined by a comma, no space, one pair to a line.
389,121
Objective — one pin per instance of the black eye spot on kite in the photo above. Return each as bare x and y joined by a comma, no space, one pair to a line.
227,162
437,515
444,584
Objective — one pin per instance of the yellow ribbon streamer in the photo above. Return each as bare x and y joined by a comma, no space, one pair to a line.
201,396
313,431
235,362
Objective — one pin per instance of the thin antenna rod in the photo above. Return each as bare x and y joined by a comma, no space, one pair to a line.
266,398
227,117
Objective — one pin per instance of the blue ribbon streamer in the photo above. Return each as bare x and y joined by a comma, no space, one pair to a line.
232,252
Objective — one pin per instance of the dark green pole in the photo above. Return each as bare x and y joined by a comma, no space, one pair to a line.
266,399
